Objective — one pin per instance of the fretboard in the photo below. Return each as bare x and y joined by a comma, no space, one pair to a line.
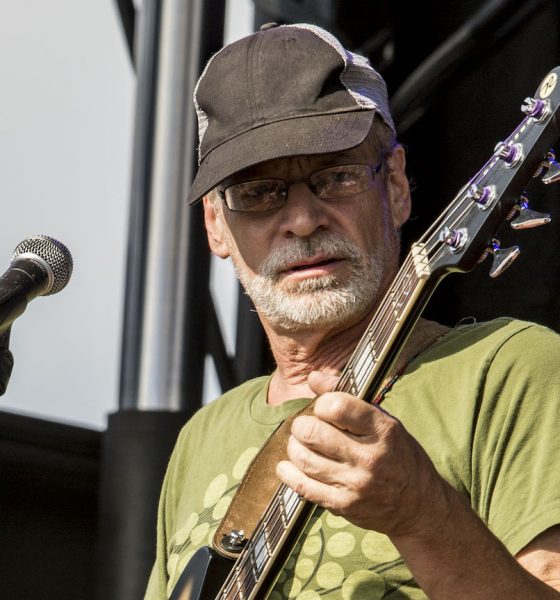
287,514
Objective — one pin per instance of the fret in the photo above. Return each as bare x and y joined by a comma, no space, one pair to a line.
363,363
293,501
352,388
266,536
421,260
283,514
253,566
427,263
239,582
373,348
261,550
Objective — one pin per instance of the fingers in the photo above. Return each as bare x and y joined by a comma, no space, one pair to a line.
350,414
343,410
316,465
311,489
321,383
323,438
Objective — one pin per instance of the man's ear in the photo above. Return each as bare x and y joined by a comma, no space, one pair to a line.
398,187
214,222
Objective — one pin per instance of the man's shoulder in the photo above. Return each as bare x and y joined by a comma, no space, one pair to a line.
229,403
495,335
245,391
471,351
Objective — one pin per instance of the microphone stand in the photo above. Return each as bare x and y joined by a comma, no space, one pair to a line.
6,360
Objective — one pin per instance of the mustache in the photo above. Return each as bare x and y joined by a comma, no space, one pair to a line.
330,245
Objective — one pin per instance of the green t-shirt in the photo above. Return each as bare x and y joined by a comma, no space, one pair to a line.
484,402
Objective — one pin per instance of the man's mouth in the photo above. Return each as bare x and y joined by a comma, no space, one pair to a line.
313,267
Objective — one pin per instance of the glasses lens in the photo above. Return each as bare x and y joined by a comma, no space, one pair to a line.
342,181
256,196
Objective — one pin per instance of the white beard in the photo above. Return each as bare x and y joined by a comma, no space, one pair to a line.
332,300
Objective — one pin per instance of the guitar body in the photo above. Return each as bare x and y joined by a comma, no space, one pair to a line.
461,237
203,576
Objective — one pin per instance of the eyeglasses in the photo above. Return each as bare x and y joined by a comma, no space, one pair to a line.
332,183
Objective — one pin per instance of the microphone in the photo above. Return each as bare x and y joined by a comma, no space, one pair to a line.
40,266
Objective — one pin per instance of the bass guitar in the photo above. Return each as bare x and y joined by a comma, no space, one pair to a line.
462,236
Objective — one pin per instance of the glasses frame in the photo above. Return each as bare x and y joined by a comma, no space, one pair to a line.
373,170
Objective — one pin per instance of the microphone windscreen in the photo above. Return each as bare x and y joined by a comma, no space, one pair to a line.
52,252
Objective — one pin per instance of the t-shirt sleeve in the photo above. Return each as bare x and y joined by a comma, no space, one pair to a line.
516,441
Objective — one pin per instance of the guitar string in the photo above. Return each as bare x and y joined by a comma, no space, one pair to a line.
276,535
375,332
383,334
248,570
242,561
366,340
461,204
479,175
372,332
242,567
260,532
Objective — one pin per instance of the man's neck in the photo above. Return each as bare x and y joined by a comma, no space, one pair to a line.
298,353
296,357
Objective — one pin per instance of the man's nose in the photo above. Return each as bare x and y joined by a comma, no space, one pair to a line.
303,212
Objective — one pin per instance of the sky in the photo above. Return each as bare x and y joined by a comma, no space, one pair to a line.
66,130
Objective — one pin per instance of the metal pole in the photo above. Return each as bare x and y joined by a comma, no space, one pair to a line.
162,344
147,60
165,327
164,263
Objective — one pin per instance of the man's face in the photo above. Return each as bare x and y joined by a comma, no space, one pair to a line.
315,263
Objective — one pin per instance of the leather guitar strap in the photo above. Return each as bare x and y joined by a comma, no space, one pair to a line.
260,482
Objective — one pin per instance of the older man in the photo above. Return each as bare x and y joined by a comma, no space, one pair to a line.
452,490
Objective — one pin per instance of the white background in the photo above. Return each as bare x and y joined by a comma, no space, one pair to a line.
66,118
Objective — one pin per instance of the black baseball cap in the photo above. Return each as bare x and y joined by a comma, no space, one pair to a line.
284,91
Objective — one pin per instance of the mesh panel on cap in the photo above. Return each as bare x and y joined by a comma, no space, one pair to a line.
361,80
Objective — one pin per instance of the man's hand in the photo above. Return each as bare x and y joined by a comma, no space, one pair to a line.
359,462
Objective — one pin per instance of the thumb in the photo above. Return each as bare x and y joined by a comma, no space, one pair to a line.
321,383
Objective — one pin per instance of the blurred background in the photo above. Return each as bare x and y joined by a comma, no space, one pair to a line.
97,143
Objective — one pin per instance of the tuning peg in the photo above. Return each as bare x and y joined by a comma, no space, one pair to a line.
482,196
527,217
454,238
536,108
511,154
503,257
553,173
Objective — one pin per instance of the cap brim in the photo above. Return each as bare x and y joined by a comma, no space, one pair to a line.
315,134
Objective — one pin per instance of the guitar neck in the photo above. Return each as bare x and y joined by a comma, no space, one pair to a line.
287,514
391,325
456,241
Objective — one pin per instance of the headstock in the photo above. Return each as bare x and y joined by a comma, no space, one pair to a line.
464,234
